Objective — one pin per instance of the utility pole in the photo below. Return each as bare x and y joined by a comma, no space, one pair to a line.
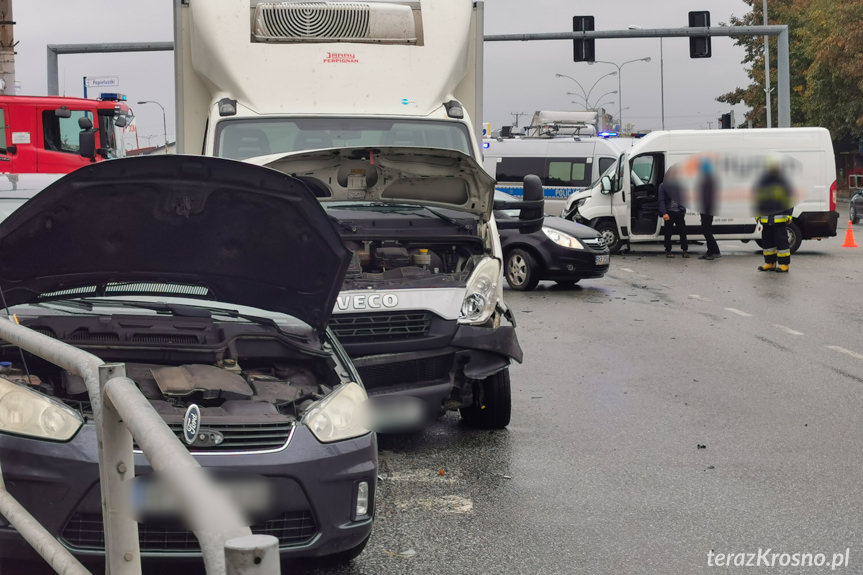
767,90
7,48
517,115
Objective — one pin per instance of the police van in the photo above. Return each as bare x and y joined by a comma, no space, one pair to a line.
623,204
562,148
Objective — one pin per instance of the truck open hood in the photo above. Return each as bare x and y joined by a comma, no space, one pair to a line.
176,226
398,175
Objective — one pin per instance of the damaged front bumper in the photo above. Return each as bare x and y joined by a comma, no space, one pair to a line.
440,376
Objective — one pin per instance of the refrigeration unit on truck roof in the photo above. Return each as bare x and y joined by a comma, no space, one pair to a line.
245,58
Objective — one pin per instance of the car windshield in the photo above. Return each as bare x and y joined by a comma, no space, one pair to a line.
247,138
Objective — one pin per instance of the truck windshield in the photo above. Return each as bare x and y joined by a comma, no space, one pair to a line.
246,138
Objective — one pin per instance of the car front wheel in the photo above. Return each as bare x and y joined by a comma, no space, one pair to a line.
492,405
521,271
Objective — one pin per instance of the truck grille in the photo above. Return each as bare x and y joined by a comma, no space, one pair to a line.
352,328
85,531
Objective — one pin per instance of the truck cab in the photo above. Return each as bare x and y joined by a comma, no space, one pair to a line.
371,104
55,135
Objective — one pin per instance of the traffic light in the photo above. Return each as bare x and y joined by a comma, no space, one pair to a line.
699,46
725,121
582,50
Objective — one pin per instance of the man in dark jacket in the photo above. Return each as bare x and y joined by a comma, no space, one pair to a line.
708,203
774,203
672,210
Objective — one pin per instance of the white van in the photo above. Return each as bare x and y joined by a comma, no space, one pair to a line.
564,164
622,205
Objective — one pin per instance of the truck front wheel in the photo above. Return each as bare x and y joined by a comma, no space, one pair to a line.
492,403
608,230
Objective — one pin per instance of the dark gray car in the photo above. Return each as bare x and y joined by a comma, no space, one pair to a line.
213,281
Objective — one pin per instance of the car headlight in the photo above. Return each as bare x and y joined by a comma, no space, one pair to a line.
481,294
580,202
27,412
562,239
340,415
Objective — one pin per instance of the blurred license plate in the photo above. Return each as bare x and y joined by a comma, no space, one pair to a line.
603,260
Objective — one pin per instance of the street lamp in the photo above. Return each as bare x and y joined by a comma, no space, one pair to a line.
586,93
587,105
619,84
164,121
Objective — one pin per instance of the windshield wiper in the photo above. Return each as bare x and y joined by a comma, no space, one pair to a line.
181,310
447,218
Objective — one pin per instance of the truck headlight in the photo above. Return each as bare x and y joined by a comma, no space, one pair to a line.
340,415
562,239
481,294
29,413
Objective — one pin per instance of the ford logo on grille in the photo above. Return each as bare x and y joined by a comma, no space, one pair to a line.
191,424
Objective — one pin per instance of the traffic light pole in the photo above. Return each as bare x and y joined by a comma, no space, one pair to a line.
781,31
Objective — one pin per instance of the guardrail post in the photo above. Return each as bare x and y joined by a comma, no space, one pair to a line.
252,555
116,469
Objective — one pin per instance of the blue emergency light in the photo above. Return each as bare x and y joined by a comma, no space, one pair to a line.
112,97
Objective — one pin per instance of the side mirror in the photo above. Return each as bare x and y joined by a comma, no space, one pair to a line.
530,219
120,121
605,184
87,144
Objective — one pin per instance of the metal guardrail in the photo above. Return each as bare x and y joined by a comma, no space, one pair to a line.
121,412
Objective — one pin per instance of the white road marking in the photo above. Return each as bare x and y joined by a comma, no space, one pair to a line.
424,476
738,312
441,504
853,354
627,270
787,329
698,297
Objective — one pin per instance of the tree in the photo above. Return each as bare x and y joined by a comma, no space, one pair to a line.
835,78
826,59
779,11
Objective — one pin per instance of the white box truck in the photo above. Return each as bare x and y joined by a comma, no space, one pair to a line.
370,105
623,205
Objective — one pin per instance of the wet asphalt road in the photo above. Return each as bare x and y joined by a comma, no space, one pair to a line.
670,409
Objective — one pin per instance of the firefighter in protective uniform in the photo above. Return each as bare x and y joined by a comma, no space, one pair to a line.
773,203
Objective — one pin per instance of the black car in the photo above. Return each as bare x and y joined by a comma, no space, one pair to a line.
855,208
562,251
213,282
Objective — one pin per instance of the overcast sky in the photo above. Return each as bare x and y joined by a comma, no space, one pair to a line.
519,76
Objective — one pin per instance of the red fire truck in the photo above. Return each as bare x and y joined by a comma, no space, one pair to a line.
53,134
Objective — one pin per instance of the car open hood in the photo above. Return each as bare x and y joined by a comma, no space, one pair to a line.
399,175
207,227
